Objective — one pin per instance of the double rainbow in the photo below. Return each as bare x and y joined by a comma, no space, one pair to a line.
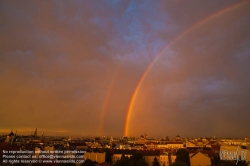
188,30
137,88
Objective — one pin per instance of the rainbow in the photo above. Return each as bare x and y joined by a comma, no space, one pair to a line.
132,101
107,99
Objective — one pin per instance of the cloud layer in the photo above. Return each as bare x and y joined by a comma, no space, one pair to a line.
73,66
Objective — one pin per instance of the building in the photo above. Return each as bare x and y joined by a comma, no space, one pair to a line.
98,157
118,157
199,159
149,155
175,145
78,146
164,160
150,158
190,144
226,152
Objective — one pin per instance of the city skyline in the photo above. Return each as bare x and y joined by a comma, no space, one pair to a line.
125,68
38,134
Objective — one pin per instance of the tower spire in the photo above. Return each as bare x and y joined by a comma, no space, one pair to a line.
35,133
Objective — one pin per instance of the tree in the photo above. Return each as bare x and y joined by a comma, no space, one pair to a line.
124,161
141,162
138,160
135,160
233,163
216,161
67,164
182,156
179,163
136,156
108,156
88,162
155,162
242,163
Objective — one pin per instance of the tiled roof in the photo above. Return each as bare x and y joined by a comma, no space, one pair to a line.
175,142
210,153
143,152
78,144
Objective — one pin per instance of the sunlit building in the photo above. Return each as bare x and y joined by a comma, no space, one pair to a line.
175,145
98,157
199,159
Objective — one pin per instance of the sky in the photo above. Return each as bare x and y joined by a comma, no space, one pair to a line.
114,68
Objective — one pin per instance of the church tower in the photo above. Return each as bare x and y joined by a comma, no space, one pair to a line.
35,133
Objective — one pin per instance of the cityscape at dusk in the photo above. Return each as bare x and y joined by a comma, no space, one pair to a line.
125,68
124,83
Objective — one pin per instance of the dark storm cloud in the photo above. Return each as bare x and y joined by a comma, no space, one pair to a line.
58,60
